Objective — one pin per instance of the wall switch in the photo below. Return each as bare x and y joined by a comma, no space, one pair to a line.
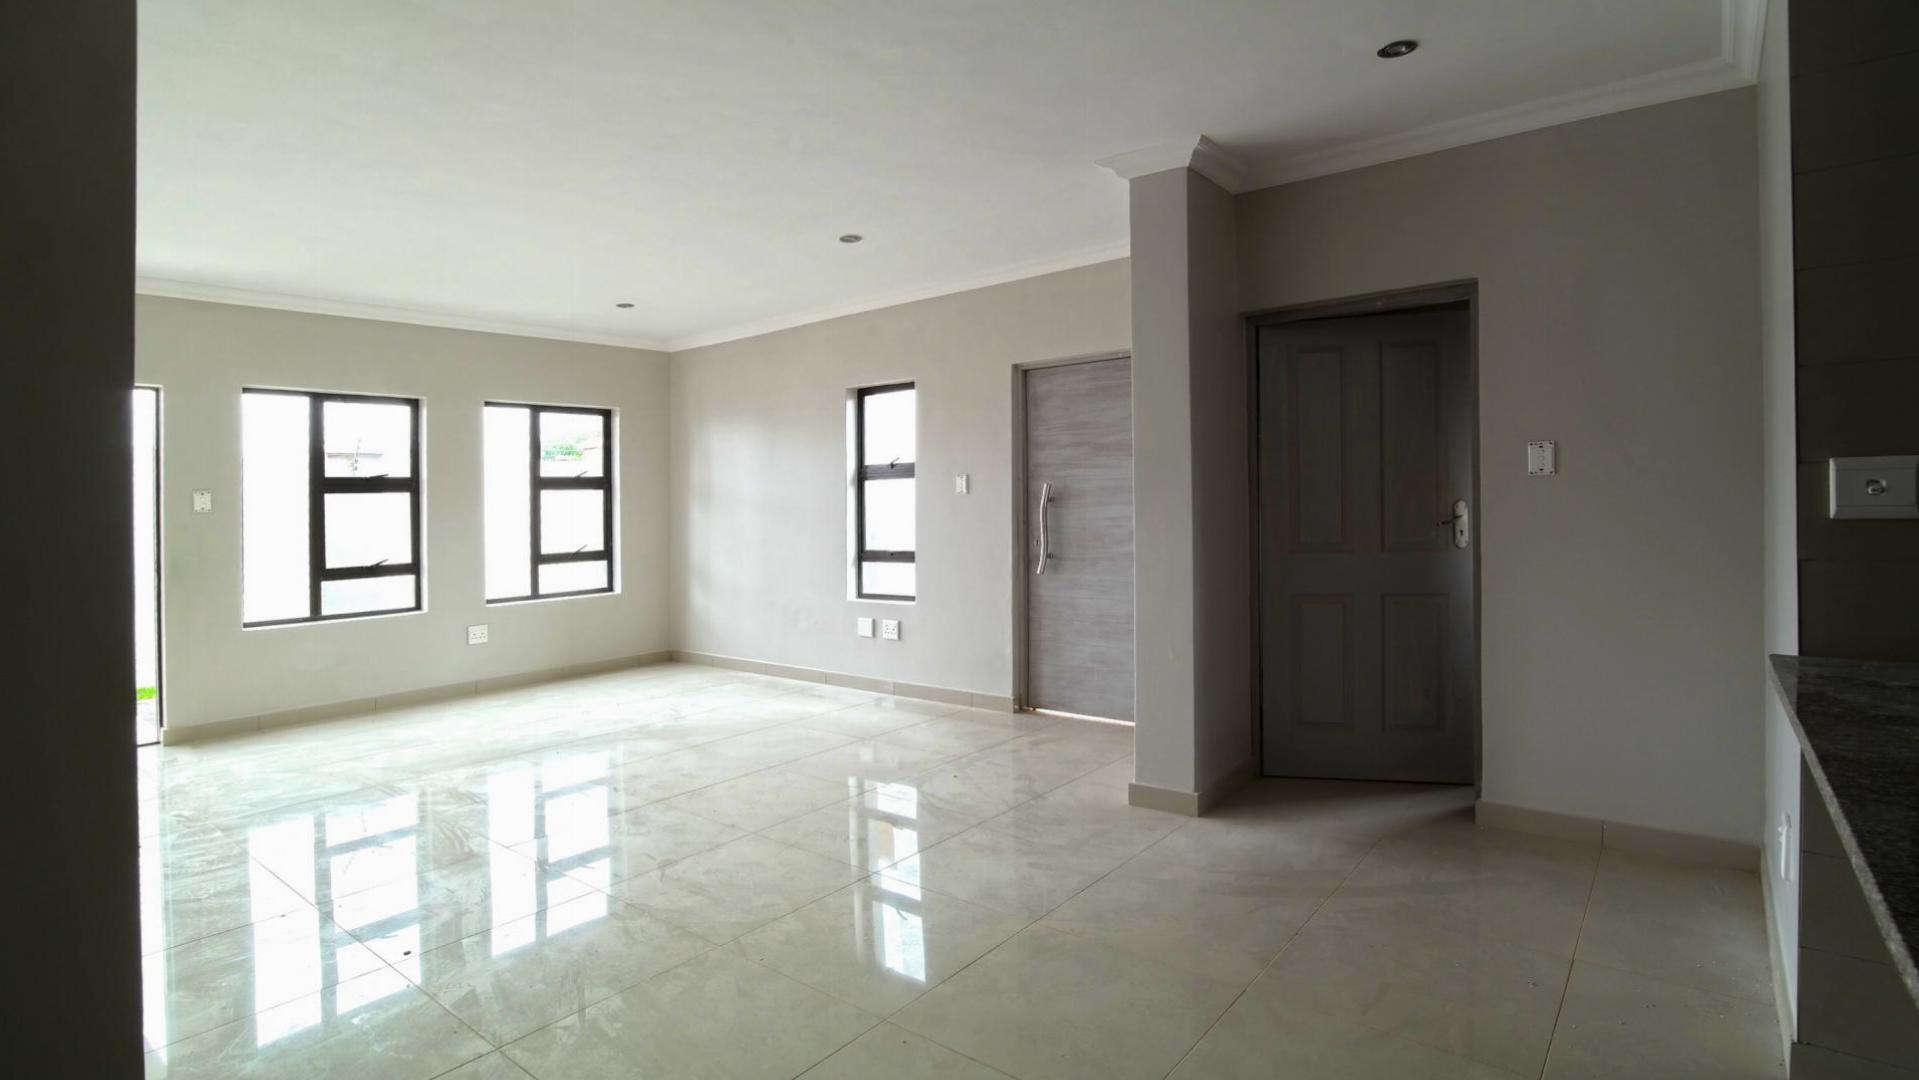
203,502
890,629
959,484
1788,848
863,627
476,635
1542,458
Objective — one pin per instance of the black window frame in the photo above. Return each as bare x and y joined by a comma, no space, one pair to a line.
320,485
863,472
536,484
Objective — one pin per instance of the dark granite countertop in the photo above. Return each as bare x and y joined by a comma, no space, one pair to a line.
1858,721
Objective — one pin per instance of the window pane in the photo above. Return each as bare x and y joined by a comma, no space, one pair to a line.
889,515
572,521
273,507
367,440
887,579
366,594
508,503
572,577
362,530
889,427
572,444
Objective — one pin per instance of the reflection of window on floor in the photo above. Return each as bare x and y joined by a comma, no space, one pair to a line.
897,924
364,864
567,802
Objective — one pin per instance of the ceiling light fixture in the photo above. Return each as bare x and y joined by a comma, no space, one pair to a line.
851,238
1393,50
624,304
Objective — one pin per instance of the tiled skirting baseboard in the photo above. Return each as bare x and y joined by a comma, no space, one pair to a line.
1633,839
174,736
969,698
1189,803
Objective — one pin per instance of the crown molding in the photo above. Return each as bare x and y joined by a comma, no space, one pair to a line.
1197,152
353,309
1015,272
1742,30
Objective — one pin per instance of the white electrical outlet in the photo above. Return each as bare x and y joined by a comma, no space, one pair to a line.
1542,458
890,629
476,635
203,502
959,484
863,626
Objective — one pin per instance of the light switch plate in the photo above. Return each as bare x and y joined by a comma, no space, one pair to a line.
1542,458
203,502
863,626
959,484
476,635
890,629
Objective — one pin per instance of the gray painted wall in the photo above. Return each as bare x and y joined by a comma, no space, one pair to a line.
201,355
759,492
66,332
1618,315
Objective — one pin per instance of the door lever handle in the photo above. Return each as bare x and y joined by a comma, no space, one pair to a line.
1461,521
1045,496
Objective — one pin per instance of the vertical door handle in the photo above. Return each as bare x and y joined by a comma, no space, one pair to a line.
1045,496
1461,521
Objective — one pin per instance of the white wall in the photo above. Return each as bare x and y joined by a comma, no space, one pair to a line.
1781,569
201,355
1618,314
759,464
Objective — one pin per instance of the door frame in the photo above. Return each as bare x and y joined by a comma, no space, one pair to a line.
159,560
1389,302
1022,700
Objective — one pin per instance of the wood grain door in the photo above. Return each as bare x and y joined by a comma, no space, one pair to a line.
1079,542
1369,665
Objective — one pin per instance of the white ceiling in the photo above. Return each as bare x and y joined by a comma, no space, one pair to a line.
523,166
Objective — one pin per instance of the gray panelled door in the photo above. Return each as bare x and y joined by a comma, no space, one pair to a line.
1368,661
1079,545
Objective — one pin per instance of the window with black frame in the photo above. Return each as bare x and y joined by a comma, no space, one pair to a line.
330,506
883,498
549,501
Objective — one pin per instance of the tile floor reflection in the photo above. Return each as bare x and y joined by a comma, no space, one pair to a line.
685,871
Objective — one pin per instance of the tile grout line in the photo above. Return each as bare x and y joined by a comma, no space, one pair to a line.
1585,911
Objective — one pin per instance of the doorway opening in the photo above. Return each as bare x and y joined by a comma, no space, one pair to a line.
1365,480
148,708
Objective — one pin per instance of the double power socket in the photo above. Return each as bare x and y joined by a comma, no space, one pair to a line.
889,628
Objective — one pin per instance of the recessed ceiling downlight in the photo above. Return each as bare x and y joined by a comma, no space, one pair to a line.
1393,50
851,238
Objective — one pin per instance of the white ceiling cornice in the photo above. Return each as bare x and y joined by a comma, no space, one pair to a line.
354,309
1742,27
1196,152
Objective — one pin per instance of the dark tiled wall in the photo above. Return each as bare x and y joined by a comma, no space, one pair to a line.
1855,162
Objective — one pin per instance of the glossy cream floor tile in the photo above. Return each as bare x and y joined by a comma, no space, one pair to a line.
373,1025
681,871
878,944
1049,1005
1615,1023
1261,1038
1226,926
717,1016
1006,873
893,1053
520,976
1694,925
737,887
1484,1000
